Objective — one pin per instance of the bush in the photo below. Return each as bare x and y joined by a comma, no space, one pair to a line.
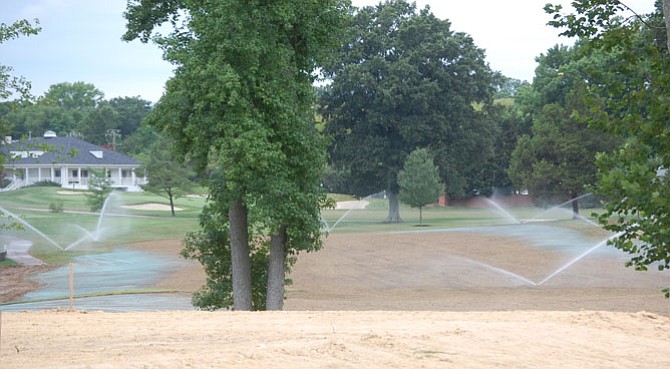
56,206
45,183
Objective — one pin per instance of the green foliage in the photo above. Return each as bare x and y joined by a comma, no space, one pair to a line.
555,161
99,187
211,247
168,177
419,181
56,206
73,96
45,183
404,80
78,109
10,85
636,85
239,105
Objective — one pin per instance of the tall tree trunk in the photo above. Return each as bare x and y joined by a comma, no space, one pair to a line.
276,270
241,260
666,15
394,208
575,206
420,215
171,202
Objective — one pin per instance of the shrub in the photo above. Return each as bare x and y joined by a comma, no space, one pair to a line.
45,183
56,206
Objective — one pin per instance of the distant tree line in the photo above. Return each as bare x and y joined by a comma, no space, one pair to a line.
79,109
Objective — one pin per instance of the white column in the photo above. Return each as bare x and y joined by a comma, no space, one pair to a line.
120,173
53,174
132,177
79,175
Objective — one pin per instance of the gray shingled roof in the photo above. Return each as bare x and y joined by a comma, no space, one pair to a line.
60,150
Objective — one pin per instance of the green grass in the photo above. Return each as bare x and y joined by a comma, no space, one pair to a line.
340,197
7,262
371,219
31,204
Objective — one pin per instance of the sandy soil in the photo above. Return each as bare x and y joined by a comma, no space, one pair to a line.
72,192
520,339
15,280
431,300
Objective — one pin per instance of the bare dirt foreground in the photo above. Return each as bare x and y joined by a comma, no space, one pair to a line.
335,340
430,300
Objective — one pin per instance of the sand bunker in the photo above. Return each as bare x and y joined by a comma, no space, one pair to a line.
151,206
356,204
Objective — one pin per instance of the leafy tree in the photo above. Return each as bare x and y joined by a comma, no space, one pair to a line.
556,161
419,181
139,141
67,109
96,122
240,104
168,177
511,123
99,188
403,80
637,86
75,96
210,245
130,112
34,119
12,85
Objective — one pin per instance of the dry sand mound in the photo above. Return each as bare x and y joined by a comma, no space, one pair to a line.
520,339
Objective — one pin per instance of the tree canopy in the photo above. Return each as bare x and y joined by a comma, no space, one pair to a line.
636,85
419,181
555,162
403,80
12,85
78,109
168,177
240,104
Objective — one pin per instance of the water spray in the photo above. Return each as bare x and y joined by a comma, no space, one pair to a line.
29,226
578,258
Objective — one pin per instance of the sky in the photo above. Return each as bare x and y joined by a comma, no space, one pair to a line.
81,41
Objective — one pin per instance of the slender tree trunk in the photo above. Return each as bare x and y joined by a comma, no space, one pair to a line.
241,260
666,15
276,270
420,215
394,208
575,206
171,202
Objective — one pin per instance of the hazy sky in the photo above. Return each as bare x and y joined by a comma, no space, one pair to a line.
81,41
